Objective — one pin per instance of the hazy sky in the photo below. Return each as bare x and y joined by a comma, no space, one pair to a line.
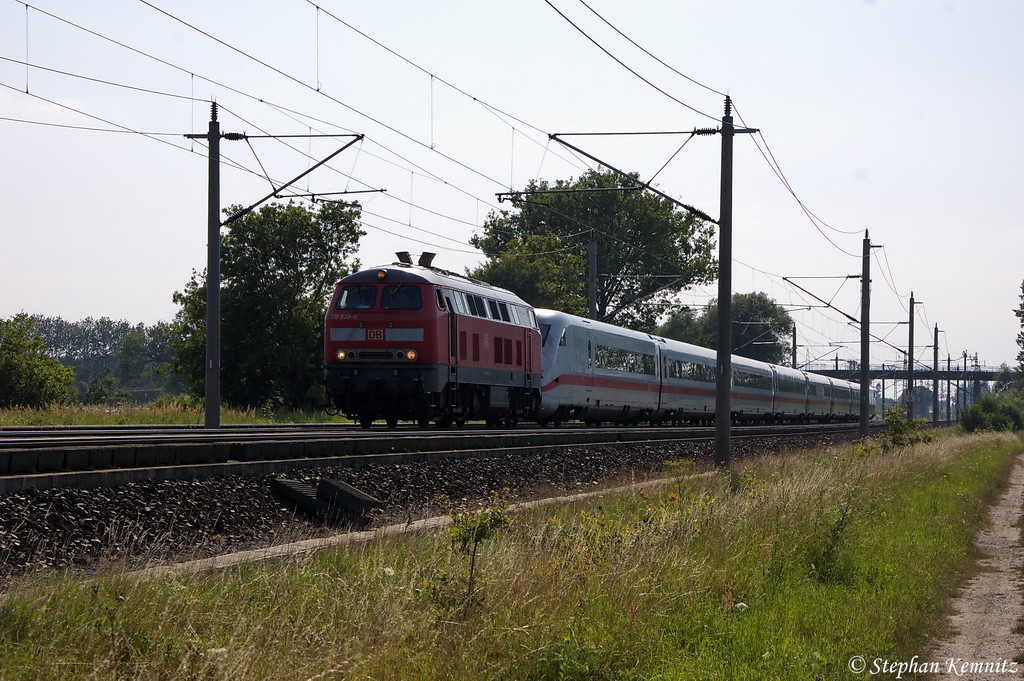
895,116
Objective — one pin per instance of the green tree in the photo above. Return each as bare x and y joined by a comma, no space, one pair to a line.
29,377
761,329
992,413
1020,335
278,267
134,355
1005,379
647,248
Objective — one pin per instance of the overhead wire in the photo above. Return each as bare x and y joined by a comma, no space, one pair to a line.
645,51
171,65
494,110
625,66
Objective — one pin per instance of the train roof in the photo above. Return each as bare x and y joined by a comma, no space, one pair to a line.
406,272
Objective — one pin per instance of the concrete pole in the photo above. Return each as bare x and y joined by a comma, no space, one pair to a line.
935,379
592,276
865,337
723,379
910,363
212,405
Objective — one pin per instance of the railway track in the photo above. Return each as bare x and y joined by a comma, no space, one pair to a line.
168,513
109,456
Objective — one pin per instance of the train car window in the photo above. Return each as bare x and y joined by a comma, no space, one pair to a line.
493,305
562,342
460,302
503,308
440,300
742,379
513,312
476,306
689,371
789,385
629,361
533,318
401,297
358,297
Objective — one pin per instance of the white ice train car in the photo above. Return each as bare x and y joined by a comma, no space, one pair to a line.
598,372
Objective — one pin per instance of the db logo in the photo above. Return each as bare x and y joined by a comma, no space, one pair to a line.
375,334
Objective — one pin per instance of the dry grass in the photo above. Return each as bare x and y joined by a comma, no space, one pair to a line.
167,412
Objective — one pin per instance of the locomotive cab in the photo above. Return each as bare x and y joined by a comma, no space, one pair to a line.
415,342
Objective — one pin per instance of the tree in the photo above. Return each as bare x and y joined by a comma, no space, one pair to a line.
29,377
134,356
647,248
991,413
278,267
1005,379
761,329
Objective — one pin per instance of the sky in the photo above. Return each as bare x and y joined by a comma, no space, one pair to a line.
892,117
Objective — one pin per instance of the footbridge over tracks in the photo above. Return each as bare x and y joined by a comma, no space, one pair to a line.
957,387
921,374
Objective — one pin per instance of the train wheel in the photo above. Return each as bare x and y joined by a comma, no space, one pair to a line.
460,422
423,423
444,422
392,422
365,421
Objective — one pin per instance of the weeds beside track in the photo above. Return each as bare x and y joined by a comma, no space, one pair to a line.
783,569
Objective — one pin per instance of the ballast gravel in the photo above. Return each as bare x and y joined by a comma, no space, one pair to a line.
149,522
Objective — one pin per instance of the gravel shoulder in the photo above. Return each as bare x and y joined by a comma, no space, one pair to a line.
988,608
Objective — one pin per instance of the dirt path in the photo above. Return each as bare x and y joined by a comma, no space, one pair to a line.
990,605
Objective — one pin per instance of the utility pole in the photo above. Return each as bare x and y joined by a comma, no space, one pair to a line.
212,402
213,225
723,382
865,337
935,379
723,379
949,366
592,276
910,362
794,346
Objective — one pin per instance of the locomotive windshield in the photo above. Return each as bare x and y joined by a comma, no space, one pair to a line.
358,297
401,297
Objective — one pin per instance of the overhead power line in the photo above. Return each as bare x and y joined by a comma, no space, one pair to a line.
625,66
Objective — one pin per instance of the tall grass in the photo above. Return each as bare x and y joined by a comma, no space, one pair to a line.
161,412
782,570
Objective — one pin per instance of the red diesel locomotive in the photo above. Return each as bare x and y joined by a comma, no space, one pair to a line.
414,342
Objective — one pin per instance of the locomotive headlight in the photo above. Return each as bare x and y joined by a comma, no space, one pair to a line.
381,274
411,355
342,355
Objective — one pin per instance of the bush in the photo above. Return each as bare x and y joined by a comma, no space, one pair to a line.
899,432
29,377
992,413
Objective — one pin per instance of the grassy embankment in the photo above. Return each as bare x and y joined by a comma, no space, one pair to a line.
783,570
164,412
